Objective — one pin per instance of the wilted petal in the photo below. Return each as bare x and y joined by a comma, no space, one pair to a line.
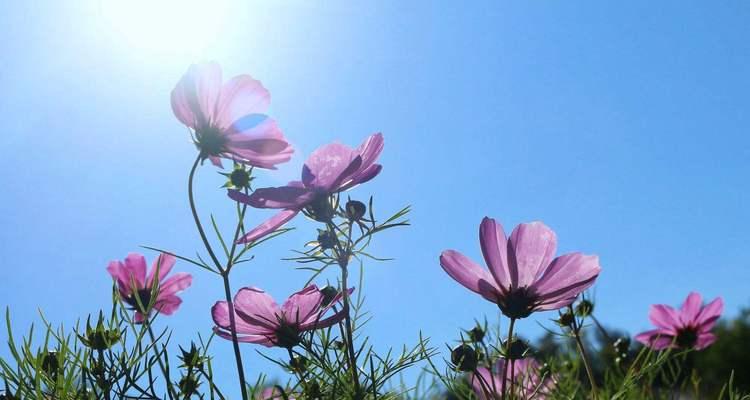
269,226
495,250
532,247
469,274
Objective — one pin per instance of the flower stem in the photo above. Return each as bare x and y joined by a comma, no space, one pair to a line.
508,342
225,277
576,329
164,369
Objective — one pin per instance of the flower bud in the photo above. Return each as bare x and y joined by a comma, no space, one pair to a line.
465,358
584,308
355,210
298,364
476,334
329,293
326,239
189,385
517,351
566,319
50,364
191,358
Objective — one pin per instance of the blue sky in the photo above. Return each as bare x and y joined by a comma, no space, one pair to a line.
622,126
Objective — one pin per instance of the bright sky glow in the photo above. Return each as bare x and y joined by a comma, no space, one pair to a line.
165,27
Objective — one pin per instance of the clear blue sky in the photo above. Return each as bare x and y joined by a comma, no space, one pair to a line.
622,126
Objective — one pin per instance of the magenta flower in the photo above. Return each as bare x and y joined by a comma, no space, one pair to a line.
134,284
686,328
523,277
330,169
228,119
528,380
260,320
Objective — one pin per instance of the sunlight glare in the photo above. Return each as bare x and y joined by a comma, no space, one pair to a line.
165,27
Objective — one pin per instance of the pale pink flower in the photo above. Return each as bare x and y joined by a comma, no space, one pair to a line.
523,277
134,284
330,169
260,320
686,328
227,119
528,380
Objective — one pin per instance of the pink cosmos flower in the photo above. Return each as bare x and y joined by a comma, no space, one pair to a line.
228,119
260,320
523,277
330,169
272,393
529,381
134,284
686,328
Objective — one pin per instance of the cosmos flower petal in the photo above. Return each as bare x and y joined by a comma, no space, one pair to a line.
665,317
327,165
494,246
255,304
164,263
301,305
175,284
289,197
220,316
566,277
469,274
657,339
705,340
532,247
168,304
135,265
691,307
240,96
708,316
268,226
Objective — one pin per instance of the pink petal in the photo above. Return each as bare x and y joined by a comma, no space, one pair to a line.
257,307
302,305
268,226
484,380
315,323
220,315
264,340
175,283
118,272
710,313
532,247
329,166
705,340
135,265
565,278
164,263
469,274
495,251
263,145
291,197
369,151
665,317
656,339
241,96
691,308
196,94
216,161
167,305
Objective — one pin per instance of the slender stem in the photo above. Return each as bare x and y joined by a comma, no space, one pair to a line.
225,277
512,375
164,369
508,342
343,261
581,349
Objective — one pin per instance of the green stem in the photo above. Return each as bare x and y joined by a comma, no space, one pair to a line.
164,369
508,342
582,350
225,277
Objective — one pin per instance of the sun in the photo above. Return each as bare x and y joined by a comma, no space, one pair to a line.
164,27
